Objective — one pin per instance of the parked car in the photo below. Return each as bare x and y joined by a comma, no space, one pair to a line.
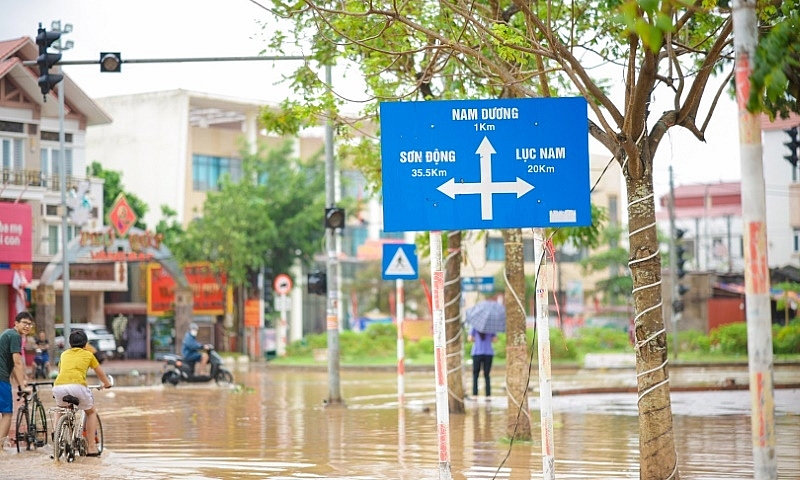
99,337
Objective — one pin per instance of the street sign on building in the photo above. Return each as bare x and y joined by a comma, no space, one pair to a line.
477,284
485,164
399,261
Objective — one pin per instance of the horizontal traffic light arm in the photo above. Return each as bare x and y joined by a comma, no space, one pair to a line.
30,63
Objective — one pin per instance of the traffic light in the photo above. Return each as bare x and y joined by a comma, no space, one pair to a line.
680,253
681,290
46,60
334,218
317,283
677,306
110,62
793,144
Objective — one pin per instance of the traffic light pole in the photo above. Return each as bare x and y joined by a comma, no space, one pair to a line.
333,248
62,171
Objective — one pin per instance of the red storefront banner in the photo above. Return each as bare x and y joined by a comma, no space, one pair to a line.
16,244
208,289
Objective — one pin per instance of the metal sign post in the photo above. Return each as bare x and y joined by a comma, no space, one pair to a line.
399,263
282,285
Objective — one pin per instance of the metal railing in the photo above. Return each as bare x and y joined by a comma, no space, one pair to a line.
35,178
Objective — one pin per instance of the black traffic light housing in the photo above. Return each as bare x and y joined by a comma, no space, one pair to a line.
46,60
680,271
794,146
680,253
334,218
110,62
317,283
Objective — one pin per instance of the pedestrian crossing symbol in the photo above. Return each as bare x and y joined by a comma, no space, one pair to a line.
399,261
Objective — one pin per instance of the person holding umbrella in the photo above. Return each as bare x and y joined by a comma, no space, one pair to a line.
482,356
486,318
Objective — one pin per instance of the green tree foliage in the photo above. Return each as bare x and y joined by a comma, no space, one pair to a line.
656,50
617,287
373,293
112,188
775,87
269,218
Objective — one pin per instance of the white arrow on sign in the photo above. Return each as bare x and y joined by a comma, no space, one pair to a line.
486,188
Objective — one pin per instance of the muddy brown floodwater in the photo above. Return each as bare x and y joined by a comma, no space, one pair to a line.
274,425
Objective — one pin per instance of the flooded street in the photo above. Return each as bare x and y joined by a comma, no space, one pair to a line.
274,425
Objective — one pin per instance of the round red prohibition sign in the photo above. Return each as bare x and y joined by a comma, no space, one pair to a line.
282,284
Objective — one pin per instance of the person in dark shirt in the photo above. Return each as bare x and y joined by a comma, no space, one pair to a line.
192,350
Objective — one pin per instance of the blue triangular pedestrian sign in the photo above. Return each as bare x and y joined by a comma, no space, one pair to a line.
399,261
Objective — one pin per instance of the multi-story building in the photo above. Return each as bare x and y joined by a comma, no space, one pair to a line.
31,209
782,184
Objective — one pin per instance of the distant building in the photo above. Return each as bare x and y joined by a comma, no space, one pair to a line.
30,180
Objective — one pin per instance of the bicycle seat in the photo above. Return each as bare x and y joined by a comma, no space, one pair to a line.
72,400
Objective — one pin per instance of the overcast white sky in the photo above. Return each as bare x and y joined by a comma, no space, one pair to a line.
225,28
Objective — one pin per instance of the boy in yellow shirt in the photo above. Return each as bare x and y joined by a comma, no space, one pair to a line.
71,380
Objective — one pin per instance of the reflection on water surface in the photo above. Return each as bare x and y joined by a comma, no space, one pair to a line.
275,426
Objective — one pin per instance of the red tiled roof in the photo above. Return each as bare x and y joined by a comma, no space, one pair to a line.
779,123
10,47
7,65
712,189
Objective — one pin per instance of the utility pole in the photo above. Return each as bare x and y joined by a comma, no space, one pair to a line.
756,274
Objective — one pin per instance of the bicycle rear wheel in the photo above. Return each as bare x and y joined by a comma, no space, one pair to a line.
62,438
39,424
22,429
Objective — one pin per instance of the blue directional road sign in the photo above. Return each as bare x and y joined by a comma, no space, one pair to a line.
485,164
399,261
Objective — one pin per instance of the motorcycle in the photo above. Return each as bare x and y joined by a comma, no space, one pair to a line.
177,370
40,368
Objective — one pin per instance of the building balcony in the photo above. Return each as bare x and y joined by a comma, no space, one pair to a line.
20,180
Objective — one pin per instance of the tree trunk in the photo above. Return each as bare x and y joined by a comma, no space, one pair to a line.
518,425
657,456
452,322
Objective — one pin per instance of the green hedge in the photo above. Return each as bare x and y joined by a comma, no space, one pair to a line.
380,340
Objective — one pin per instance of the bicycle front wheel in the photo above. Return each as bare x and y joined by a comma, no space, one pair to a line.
39,425
62,438
98,435
22,429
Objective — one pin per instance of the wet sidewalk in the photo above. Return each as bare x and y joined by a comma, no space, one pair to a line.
597,377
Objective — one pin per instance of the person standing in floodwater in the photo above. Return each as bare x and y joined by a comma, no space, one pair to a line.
482,356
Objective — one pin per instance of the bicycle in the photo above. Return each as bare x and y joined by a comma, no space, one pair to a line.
31,419
69,436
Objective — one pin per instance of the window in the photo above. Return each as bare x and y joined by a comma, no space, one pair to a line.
613,218
51,161
495,250
796,240
570,253
54,237
207,171
393,235
12,153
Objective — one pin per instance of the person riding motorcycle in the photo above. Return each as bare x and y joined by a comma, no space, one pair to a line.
192,350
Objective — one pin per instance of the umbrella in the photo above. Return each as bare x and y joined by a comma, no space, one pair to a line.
487,316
